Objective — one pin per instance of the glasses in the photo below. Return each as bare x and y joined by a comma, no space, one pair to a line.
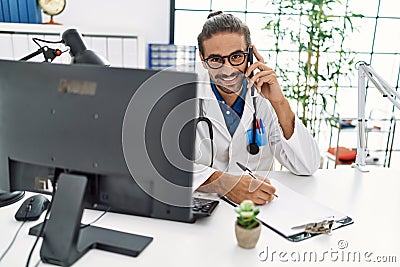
235,59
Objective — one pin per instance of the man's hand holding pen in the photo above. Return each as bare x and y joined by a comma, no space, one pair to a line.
260,190
249,172
240,187
252,187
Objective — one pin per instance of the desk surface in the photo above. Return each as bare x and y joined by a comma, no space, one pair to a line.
371,199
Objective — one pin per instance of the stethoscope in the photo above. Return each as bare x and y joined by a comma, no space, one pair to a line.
252,147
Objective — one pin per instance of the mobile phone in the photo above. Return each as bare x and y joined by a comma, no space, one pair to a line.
251,60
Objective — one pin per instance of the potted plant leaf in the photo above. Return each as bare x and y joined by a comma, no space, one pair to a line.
247,227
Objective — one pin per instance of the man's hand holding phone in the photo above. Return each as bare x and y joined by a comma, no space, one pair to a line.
265,79
267,84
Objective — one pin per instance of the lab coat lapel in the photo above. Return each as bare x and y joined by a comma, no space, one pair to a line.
212,110
247,117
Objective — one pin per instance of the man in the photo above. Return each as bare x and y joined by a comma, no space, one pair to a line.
251,120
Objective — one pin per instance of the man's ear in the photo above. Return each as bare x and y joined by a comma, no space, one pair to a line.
202,60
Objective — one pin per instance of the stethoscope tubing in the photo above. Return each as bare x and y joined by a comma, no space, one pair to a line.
253,148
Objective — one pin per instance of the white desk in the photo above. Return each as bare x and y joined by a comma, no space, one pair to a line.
371,199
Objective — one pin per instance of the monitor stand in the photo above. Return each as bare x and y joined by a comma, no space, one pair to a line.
65,240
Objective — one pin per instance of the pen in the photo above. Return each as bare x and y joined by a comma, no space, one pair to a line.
258,125
249,172
261,125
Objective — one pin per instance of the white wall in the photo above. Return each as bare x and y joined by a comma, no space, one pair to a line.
149,18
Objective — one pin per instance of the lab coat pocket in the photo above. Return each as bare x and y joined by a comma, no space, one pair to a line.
261,136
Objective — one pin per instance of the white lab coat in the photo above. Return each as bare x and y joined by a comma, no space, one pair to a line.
299,154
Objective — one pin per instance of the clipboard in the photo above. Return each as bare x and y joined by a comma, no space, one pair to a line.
297,217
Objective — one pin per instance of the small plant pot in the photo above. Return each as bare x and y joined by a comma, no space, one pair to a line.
247,238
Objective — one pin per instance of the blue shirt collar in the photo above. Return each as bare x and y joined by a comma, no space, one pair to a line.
232,119
238,105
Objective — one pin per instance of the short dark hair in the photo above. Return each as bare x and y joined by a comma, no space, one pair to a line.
220,22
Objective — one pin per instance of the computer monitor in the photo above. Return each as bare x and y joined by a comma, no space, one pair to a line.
130,132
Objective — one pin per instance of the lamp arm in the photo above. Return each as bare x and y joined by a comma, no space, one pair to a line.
33,54
382,85
361,123
387,91
49,54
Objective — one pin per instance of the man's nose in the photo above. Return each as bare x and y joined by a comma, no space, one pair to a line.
228,68
227,63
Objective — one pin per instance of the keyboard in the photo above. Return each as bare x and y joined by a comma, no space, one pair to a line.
203,207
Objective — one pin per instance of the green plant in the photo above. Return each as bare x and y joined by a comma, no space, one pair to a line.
315,35
247,214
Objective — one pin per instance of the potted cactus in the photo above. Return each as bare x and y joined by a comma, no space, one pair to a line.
247,227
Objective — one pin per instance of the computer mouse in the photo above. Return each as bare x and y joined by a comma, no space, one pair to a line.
32,208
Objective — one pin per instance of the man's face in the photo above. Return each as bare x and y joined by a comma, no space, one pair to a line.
228,78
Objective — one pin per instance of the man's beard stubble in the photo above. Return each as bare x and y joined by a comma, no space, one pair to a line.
235,88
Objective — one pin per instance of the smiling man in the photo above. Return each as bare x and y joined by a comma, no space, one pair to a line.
249,120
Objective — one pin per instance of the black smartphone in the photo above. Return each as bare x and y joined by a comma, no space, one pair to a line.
251,60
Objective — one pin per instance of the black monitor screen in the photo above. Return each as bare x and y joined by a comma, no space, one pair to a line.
128,130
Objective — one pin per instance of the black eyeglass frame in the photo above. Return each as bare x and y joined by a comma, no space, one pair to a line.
246,54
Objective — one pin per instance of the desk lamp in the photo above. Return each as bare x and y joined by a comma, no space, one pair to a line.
78,50
365,70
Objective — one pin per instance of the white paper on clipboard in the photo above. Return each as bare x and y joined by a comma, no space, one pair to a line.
292,209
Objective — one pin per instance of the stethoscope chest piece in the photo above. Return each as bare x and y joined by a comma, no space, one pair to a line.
253,148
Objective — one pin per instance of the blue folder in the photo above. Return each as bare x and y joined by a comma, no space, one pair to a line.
22,11
1,12
6,11
34,11
14,14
